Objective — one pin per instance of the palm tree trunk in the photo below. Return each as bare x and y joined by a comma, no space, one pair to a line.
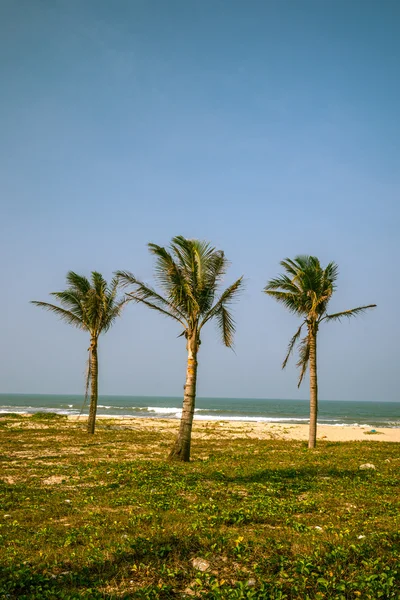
93,386
181,448
312,438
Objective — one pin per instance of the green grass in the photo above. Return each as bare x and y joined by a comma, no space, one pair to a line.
107,517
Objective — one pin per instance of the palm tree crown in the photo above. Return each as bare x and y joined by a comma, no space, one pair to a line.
189,274
88,305
92,306
306,289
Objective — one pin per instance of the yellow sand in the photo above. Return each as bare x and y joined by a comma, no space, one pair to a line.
263,430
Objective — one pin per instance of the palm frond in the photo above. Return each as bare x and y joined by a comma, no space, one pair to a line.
185,251
112,289
99,284
113,312
206,257
212,272
227,297
290,301
215,268
294,267
310,285
348,313
166,270
125,278
331,273
88,378
189,273
226,325
189,263
311,273
90,305
139,299
78,282
65,315
144,292
282,283
71,301
292,344
306,289
173,280
304,356
110,296
202,267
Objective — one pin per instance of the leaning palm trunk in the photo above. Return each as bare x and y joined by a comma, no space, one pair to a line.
93,374
181,448
312,438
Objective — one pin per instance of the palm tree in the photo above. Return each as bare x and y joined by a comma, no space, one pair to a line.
92,306
305,290
189,273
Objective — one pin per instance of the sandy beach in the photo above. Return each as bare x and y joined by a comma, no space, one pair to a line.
259,430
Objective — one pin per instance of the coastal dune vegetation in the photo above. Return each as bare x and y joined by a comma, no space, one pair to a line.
189,274
106,517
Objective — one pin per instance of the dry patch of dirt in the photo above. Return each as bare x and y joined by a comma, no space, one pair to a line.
8,479
54,479
73,451
31,425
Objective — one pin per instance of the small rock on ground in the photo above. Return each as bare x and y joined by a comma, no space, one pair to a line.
200,564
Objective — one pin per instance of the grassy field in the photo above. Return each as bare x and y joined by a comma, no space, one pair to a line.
108,517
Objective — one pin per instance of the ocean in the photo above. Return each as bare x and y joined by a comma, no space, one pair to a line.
335,413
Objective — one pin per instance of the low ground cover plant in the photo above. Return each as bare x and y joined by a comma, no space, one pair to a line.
109,518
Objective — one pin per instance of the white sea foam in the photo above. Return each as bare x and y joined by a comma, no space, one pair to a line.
349,424
246,418
144,408
21,410
164,410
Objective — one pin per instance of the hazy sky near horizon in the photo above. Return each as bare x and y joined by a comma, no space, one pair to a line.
270,128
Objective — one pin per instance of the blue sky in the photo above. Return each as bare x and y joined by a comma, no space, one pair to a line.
270,128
